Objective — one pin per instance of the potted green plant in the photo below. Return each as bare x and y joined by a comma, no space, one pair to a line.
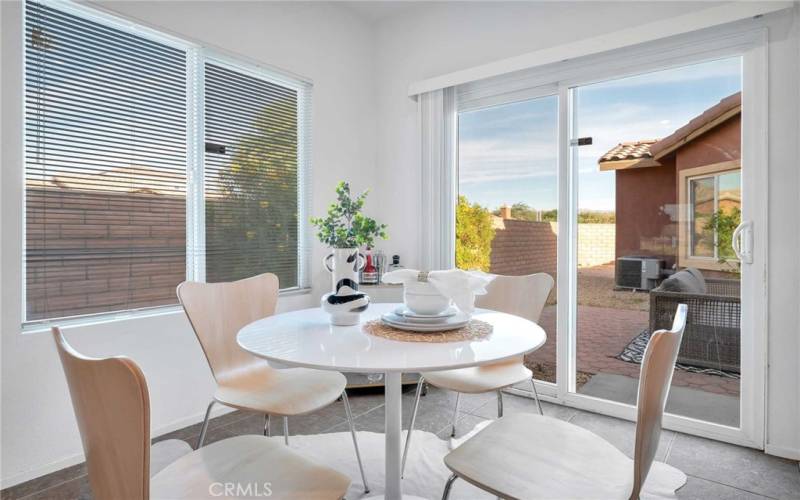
345,229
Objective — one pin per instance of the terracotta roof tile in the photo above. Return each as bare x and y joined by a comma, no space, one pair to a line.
637,150
656,148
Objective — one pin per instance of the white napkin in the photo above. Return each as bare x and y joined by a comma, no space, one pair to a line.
459,286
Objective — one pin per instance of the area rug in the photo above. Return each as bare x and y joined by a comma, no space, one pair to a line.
634,352
426,473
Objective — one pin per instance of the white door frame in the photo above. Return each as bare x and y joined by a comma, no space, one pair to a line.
751,45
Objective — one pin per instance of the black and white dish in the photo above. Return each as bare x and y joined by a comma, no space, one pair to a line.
346,304
453,322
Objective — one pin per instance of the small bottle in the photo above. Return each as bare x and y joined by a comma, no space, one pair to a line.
395,265
380,264
370,274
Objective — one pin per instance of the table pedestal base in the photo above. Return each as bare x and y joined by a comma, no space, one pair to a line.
393,397
394,427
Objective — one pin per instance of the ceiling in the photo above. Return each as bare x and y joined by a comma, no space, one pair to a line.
377,10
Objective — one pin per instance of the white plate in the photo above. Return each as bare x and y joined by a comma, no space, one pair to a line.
459,317
408,313
451,323
416,327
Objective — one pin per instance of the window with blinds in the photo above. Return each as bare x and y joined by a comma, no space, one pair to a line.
114,126
105,178
251,160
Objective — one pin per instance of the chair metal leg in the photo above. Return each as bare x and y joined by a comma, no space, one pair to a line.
536,396
448,486
420,385
286,430
349,413
267,429
204,428
455,415
499,404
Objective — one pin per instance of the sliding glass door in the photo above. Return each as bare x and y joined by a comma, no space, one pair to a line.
636,192
659,195
507,210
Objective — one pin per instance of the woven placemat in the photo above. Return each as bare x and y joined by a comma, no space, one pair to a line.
475,330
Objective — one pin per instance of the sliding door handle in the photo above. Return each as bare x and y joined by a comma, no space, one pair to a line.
742,242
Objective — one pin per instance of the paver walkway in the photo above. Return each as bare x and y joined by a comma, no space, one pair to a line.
602,334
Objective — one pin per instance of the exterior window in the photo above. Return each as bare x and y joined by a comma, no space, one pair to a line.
714,211
250,177
114,130
703,208
105,167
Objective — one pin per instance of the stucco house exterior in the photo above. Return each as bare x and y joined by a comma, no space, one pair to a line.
668,189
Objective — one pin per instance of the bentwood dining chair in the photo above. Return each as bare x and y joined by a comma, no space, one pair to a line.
529,456
112,407
523,296
217,311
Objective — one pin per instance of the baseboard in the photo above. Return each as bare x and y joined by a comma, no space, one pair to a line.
217,411
782,451
63,463
44,470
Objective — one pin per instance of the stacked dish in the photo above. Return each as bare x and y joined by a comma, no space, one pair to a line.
404,318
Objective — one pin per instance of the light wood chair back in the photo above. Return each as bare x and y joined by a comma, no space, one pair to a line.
112,407
658,365
217,311
523,296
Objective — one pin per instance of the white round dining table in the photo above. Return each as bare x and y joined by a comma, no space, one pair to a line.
305,338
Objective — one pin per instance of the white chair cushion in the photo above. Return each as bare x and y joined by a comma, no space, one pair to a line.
165,452
529,456
293,391
256,467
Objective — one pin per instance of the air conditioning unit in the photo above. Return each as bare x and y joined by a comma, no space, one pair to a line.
638,273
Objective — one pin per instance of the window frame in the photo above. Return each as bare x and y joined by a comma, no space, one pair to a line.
746,40
197,55
195,192
686,219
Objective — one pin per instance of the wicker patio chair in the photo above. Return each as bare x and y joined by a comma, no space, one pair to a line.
712,338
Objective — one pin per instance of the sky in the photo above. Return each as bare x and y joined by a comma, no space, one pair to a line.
508,153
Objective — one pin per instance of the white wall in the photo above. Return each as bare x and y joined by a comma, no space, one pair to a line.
326,43
783,375
445,37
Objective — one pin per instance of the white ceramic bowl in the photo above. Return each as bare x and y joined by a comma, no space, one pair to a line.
423,298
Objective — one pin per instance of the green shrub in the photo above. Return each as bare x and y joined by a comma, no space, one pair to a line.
474,235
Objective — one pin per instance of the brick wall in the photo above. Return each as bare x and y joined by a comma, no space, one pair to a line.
90,252
596,244
522,247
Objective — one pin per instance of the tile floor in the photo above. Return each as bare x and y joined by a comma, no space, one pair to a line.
715,470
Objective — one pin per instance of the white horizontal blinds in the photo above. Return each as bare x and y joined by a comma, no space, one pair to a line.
105,167
251,176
